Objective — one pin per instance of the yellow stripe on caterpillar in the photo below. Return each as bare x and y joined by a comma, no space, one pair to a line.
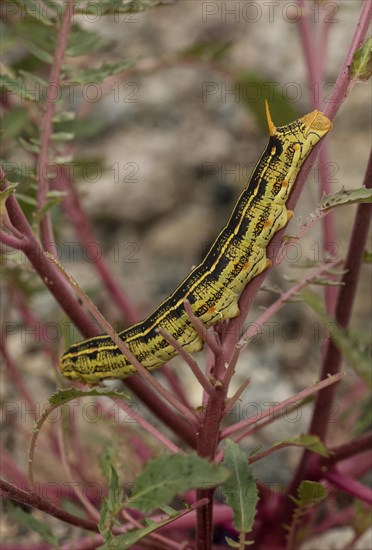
214,286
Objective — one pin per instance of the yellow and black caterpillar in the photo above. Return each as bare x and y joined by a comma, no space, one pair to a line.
214,286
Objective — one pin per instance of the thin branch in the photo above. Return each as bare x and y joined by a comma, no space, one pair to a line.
352,448
205,335
56,283
234,398
189,360
107,328
92,511
75,213
255,328
47,126
315,69
350,486
10,240
345,299
33,500
172,447
271,411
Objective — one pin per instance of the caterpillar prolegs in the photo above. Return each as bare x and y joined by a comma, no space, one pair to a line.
235,258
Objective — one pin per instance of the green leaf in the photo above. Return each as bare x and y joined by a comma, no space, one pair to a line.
30,147
82,41
99,74
111,505
113,501
310,442
346,196
367,258
62,136
170,475
27,199
358,359
240,489
106,459
362,517
361,66
64,116
128,540
235,544
40,53
64,396
17,86
310,493
4,218
26,520
113,6
252,90
13,123
34,11
38,216
34,78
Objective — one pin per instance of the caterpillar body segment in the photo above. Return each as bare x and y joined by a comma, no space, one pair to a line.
214,286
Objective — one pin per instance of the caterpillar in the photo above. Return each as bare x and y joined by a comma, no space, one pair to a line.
214,286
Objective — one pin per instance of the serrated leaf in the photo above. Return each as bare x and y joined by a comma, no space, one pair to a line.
310,442
361,66
99,74
64,396
346,196
310,493
128,540
28,521
240,489
172,474
357,359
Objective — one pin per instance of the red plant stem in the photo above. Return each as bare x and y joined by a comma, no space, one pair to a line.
10,240
272,411
315,71
207,445
33,500
60,289
46,227
350,486
352,448
345,299
189,360
83,228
